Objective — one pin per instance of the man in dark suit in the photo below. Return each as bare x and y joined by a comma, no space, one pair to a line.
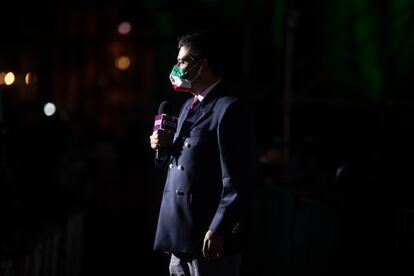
211,169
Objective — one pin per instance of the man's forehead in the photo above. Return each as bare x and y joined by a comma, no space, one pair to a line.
183,53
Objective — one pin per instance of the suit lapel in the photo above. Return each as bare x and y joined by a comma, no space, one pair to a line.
206,108
183,116
208,103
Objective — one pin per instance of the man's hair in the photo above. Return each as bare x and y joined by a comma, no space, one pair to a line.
201,45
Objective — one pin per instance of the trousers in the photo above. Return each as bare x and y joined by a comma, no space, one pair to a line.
182,265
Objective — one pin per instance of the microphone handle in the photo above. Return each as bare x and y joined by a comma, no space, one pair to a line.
156,157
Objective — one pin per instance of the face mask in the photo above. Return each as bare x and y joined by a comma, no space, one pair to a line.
180,82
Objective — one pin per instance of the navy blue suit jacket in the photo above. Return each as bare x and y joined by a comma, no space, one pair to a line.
211,167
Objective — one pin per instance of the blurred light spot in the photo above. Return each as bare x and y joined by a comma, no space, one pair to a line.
49,109
28,78
123,62
2,75
9,78
124,28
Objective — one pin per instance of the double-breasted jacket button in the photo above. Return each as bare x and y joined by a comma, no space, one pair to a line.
171,165
235,227
178,192
180,167
187,145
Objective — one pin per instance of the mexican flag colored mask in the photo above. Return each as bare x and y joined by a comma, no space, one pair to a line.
179,81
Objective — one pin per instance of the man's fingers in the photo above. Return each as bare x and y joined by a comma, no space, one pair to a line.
212,248
205,248
212,245
154,142
160,138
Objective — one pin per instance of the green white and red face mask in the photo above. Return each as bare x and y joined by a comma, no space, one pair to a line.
179,79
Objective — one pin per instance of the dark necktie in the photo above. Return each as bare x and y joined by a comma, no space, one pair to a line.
194,103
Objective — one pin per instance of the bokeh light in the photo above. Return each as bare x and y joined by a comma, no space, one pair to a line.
9,78
124,28
28,78
123,62
49,109
2,75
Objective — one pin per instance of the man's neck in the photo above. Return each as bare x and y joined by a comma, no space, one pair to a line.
205,84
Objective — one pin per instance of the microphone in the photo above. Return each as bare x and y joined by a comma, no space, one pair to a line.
164,121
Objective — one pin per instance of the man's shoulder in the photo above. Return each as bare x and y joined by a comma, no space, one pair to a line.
227,99
224,93
232,102
229,94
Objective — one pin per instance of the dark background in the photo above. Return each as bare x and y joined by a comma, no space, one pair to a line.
330,85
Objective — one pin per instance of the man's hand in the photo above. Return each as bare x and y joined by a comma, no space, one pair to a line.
213,245
161,139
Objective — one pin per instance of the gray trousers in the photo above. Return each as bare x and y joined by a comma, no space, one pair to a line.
199,266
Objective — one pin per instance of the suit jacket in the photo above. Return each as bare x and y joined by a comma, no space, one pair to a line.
210,171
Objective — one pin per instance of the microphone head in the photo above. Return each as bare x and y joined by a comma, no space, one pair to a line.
165,118
165,108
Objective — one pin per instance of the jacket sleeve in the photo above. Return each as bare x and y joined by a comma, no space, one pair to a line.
237,150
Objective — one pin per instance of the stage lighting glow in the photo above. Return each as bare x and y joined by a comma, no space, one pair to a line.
28,78
49,109
9,78
124,28
123,62
2,75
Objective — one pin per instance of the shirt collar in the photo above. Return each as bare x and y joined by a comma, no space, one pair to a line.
203,94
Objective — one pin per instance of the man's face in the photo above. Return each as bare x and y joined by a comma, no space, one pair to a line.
183,58
188,63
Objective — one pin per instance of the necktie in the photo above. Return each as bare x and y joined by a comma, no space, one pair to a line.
194,103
